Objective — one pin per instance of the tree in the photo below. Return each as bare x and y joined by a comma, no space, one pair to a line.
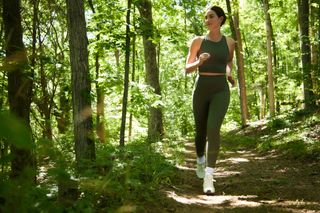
155,122
100,121
315,53
269,53
19,85
303,16
126,77
81,99
235,28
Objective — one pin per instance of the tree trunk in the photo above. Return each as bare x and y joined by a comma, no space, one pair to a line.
100,121
44,102
100,105
155,123
234,24
81,99
19,83
303,14
126,78
262,96
314,17
63,116
133,72
269,53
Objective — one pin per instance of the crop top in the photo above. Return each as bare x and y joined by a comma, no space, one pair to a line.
219,55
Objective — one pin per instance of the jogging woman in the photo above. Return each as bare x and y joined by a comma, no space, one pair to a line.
211,55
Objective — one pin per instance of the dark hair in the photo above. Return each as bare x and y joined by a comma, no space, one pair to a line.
219,11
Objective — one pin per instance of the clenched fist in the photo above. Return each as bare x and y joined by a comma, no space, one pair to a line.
203,57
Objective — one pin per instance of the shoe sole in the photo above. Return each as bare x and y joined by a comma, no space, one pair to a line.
209,192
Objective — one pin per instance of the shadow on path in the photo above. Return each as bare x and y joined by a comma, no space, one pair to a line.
246,181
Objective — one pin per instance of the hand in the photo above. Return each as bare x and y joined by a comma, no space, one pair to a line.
203,57
231,80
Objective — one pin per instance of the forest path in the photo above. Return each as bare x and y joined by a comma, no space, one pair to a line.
246,181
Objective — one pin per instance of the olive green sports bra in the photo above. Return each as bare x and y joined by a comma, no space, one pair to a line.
219,55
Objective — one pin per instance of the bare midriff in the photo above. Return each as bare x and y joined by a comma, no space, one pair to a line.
211,73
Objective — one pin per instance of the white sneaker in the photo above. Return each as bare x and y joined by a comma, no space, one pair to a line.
208,187
201,169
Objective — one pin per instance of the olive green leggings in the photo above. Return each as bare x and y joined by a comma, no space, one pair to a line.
211,99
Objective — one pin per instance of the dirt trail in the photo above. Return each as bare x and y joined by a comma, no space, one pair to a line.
246,181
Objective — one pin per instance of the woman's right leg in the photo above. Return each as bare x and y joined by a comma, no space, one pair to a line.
200,112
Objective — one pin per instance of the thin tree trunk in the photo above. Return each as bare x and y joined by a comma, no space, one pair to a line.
81,99
269,53
100,104
314,47
155,121
100,121
126,78
44,102
63,116
303,14
261,90
133,72
318,64
234,23
19,84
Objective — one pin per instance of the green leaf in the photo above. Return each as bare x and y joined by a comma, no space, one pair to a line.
15,131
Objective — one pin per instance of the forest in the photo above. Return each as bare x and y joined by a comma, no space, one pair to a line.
96,107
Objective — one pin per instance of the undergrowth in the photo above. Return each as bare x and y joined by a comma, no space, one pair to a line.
120,180
125,179
294,135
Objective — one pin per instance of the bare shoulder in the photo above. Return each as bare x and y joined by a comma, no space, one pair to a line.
196,41
231,41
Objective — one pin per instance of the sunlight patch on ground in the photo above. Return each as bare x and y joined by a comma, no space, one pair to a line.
185,167
291,205
189,151
239,201
235,160
127,208
192,160
222,174
215,200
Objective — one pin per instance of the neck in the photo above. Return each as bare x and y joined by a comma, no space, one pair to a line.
215,35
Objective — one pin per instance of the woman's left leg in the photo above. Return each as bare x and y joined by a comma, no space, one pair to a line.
217,110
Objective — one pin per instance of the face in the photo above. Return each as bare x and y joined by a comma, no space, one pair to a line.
212,20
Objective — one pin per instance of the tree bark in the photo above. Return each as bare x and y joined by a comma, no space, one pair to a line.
303,15
314,17
100,121
155,121
133,72
126,78
81,88
269,53
19,84
234,24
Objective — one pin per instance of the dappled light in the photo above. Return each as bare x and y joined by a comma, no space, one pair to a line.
103,102
214,200
233,201
248,181
236,160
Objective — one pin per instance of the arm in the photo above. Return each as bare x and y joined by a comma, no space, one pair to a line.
193,62
231,45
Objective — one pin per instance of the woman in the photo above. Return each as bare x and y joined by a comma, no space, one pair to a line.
212,56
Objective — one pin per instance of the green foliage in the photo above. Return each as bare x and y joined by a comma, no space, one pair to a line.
15,131
277,123
293,135
130,175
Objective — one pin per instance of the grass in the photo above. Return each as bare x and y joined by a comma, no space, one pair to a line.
294,135
127,179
